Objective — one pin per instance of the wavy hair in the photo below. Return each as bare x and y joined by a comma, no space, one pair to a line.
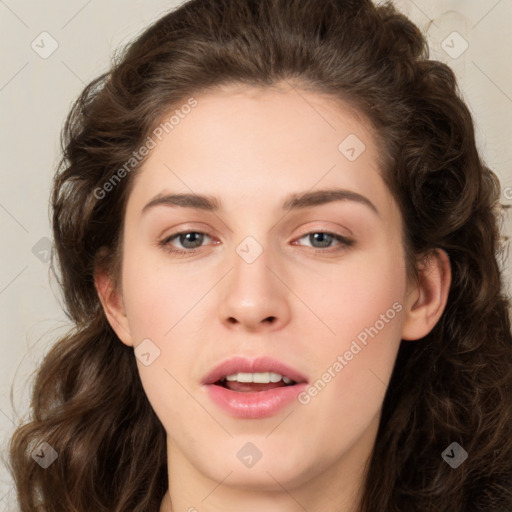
455,385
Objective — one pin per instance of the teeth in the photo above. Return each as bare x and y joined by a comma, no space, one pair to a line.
259,378
275,377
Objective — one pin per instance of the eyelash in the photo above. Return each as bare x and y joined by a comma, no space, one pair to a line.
166,242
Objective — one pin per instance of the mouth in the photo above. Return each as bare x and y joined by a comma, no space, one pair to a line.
254,382
248,376
253,388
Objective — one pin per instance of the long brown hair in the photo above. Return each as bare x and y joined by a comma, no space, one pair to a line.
455,385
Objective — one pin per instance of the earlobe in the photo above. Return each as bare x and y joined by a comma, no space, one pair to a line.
113,306
428,296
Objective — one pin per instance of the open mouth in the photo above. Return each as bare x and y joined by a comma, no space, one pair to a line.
253,388
254,382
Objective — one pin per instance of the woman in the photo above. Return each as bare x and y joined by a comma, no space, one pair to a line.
279,246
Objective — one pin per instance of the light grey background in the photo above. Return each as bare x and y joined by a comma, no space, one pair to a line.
36,94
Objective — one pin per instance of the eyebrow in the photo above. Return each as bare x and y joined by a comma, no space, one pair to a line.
295,201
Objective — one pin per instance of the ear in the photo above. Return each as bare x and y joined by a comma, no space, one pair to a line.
427,297
112,302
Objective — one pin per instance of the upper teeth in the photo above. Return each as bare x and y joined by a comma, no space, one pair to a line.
260,378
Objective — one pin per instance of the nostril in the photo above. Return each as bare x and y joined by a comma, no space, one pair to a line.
269,319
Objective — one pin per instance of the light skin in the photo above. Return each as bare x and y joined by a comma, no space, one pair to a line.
252,148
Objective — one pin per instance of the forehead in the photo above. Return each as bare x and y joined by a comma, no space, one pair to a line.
253,142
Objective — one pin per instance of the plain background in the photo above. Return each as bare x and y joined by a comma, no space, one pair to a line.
36,94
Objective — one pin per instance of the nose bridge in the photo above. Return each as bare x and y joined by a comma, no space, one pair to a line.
253,295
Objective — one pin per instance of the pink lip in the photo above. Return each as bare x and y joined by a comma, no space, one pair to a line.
260,404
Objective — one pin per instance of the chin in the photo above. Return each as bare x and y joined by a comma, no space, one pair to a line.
268,473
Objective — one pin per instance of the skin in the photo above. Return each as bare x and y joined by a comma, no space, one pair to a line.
251,148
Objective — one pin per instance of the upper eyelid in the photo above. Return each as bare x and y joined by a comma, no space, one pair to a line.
185,232
321,229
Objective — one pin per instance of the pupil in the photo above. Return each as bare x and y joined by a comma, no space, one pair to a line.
324,239
184,241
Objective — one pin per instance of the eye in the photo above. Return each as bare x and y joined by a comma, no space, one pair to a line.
190,241
323,240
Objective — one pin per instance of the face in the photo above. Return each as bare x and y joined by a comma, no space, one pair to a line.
293,264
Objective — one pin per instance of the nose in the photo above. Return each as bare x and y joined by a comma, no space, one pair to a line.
254,296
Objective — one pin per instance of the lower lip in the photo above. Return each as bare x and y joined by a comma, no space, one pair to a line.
260,404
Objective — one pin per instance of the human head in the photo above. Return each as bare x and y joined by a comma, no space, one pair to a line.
374,62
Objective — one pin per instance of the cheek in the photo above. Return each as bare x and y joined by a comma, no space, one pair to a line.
165,304
352,296
162,305
362,304
350,386
157,296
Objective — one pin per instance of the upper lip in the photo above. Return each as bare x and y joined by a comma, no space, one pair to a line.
240,364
